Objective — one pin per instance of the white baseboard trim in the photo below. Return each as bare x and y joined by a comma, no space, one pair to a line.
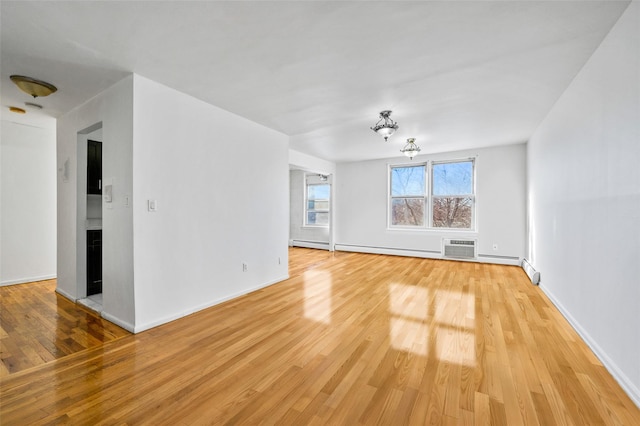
65,294
499,260
27,280
117,321
426,254
310,244
178,315
625,383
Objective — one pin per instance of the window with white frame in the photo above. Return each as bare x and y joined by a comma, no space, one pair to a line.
408,195
452,194
433,195
317,204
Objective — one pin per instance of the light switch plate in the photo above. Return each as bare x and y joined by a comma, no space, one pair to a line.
108,193
153,205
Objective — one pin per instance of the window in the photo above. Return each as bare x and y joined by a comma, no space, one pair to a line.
433,195
317,204
453,198
408,195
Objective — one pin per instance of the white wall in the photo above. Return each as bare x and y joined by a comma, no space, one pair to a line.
114,109
584,201
28,191
310,163
361,217
221,186
307,236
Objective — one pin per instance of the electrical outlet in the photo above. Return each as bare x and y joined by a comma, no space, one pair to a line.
495,247
245,267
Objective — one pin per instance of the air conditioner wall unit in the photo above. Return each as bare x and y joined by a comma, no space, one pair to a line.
459,248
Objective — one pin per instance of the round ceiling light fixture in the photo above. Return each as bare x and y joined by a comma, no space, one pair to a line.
385,127
17,110
32,86
410,149
33,105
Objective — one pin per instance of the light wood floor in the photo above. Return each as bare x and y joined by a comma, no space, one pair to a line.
348,339
37,326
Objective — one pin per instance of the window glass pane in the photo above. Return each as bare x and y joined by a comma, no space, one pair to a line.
407,211
319,205
407,180
319,191
315,218
452,212
453,178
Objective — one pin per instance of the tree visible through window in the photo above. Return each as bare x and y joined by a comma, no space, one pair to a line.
317,204
450,203
408,192
452,191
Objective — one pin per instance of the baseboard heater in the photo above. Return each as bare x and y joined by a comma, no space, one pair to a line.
323,245
391,251
533,275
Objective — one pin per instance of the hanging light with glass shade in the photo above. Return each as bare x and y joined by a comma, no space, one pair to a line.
410,149
385,127
32,86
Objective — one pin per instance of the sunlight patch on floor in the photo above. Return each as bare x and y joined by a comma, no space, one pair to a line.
317,296
409,335
408,301
454,308
409,308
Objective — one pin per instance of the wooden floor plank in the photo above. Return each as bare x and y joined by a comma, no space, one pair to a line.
40,326
348,339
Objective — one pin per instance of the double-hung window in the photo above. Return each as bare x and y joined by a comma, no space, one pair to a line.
317,204
408,195
453,197
433,195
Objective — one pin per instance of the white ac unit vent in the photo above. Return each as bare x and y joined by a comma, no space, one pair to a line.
459,249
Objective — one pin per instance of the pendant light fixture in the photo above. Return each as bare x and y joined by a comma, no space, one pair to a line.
385,127
32,86
410,149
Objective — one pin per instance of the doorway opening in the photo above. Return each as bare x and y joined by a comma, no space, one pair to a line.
90,205
310,216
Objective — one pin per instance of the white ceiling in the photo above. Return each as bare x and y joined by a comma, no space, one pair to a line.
457,74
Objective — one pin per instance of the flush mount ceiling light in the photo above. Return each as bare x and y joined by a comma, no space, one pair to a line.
385,127
32,105
410,149
32,86
17,110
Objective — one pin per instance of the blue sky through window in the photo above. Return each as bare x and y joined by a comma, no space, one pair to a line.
319,192
453,178
406,181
